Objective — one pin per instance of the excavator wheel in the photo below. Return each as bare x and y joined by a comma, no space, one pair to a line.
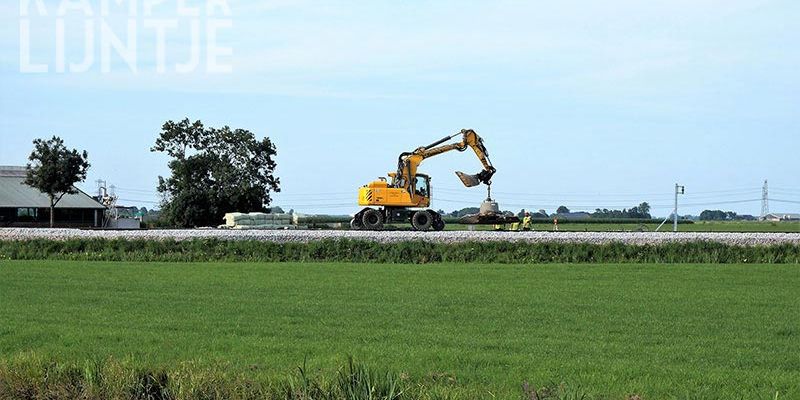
355,223
422,220
438,223
372,219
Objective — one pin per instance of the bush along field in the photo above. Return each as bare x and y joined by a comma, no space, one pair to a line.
417,252
255,330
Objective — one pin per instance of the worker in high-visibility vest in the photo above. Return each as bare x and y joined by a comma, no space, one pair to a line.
526,222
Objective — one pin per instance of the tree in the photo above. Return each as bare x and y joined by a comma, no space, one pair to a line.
562,210
54,170
465,211
718,215
644,209
214,171
540,214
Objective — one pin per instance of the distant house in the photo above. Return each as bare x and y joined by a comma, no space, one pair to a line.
775,217
24,206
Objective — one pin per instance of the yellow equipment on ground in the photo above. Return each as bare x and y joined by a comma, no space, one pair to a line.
408,195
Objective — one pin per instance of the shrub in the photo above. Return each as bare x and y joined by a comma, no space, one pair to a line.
419,252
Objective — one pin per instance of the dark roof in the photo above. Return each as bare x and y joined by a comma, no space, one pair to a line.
14,193
9,170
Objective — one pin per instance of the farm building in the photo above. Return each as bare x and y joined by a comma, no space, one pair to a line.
781,217
22,205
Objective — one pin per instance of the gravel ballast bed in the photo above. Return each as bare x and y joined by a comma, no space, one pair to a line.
302,236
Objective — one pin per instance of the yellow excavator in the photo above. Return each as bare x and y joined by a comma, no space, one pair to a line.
407,196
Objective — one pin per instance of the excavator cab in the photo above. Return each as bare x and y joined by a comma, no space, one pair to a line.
422,185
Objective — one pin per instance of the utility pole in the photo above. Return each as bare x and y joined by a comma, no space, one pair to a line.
678,190
764,200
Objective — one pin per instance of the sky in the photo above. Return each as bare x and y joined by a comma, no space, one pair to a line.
582,103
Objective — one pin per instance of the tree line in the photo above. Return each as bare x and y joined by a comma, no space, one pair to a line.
719,215
642,211
213,171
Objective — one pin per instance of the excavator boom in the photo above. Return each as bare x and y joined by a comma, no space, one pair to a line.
408,162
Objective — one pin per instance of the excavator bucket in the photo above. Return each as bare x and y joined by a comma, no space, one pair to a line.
468,180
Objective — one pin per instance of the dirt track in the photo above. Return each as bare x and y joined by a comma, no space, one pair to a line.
400,236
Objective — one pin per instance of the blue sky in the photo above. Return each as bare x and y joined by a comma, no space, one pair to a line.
587,104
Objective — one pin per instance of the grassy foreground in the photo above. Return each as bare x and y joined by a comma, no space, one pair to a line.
448,330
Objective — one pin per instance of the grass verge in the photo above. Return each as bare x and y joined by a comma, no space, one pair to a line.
33,377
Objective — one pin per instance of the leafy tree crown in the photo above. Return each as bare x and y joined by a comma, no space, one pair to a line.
214,171
53,169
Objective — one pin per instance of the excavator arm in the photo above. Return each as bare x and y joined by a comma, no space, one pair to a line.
409,161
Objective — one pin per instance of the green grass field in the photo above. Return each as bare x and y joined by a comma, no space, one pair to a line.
659,331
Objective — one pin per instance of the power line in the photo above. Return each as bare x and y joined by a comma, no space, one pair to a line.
626,202
317,205
621,201
596,206
311,194
619,196
327,199
141,201
721,202
585,194
785,201
748,189
136,190
528,200
786,192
